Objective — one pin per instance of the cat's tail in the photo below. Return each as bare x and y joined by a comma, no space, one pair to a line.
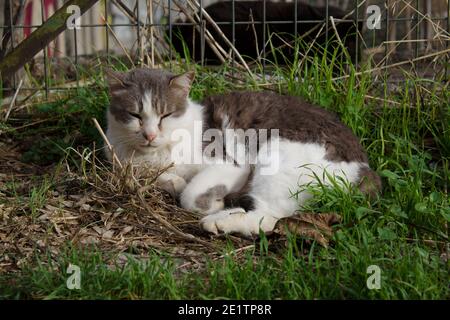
369,182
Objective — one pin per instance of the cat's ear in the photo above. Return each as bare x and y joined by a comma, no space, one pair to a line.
181,85
116,81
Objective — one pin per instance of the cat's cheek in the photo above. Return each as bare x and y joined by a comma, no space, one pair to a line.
169,124
133,126
159,141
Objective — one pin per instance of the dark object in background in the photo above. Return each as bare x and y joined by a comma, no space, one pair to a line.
245,41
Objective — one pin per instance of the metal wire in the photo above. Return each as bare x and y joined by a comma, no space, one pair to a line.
11,28
357,33
46,79
356,19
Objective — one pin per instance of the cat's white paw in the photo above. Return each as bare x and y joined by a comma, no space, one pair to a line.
173,184
227,221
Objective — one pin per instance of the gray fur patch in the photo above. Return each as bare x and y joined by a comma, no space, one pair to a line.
127,91
204,200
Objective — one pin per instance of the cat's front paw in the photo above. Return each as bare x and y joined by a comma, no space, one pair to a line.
171,183
227,221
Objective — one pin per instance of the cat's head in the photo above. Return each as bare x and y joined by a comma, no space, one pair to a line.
147,105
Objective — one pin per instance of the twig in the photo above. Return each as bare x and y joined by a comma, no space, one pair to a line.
13,100
394,48
381,99
7,33
339,39
186,236
130,15
437,29
256,36
305,56
214,45
118,41
187,264
152,37
105,139
236,251
395,64
222,35
28,125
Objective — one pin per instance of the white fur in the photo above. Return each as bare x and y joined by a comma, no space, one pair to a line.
272,194
296,165
150,117
129,144
232,177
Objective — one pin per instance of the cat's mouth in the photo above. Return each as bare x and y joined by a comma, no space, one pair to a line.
148,145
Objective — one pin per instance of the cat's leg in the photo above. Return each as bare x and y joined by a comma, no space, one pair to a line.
174,180
171,182
236,220
268,199
206,191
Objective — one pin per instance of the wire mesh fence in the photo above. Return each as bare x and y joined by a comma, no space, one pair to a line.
211,32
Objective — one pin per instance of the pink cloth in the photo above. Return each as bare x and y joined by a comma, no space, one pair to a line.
49,6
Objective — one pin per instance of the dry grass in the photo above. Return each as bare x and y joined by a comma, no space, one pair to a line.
109,209
115,208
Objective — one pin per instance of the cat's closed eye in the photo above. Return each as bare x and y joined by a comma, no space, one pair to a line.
137,116
166,115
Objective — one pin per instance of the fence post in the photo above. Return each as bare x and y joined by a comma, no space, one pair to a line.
40,38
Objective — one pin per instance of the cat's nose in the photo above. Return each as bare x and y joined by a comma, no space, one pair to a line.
149,136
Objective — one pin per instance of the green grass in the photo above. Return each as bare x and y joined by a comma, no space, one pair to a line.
404,232
409,271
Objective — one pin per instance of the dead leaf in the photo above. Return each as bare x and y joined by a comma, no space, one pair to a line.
68,203
89,240
126,230
41,243
107,234
108,225
99,230
316,226
85,207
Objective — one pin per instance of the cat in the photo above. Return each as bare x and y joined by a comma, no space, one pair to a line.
247,43
149,106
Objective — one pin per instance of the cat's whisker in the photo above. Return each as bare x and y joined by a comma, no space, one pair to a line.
127,140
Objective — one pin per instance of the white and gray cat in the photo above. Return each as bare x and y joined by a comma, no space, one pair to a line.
149,107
